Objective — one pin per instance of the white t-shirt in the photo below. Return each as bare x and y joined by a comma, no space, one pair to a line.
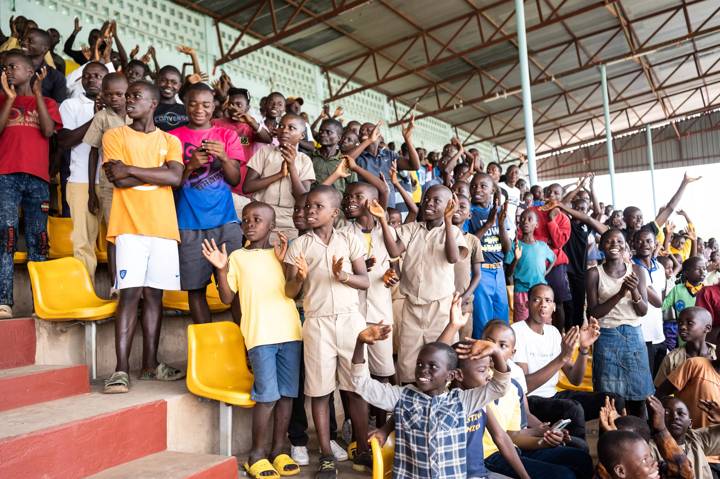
77,111
652,323
517,374
537,350
74,80
513,200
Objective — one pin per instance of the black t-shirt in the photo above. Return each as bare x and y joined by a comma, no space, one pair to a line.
576,249
168,117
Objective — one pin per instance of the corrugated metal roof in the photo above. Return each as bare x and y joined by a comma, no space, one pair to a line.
457,59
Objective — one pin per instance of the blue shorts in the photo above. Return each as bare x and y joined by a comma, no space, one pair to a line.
277,370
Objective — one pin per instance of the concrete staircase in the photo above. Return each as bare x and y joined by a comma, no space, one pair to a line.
54,424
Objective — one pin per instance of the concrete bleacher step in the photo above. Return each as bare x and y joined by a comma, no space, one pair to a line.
174,465
17,342
80,435
34,384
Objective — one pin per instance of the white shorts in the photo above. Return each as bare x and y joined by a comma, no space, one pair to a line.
146,261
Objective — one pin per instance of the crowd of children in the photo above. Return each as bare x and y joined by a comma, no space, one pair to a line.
474,301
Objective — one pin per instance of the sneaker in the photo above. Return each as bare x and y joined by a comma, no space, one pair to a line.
327,469
338,451
363,462
300,455
347,431
5,311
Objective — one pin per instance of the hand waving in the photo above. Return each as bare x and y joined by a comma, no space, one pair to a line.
216,257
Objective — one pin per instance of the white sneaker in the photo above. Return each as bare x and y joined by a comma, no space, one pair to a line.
338,451
5,312
300,455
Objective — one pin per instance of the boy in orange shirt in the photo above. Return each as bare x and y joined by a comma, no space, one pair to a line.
144,164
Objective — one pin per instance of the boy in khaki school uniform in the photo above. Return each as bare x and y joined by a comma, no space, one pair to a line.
329,267
432,247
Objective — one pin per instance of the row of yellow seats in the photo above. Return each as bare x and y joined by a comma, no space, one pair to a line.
60,236
564,383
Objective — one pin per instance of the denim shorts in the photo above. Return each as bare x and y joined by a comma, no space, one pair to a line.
277,370
620,363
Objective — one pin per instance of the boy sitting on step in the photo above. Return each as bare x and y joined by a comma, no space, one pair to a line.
271,328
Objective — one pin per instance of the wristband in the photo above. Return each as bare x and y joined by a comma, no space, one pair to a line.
347,278
394,260
585,352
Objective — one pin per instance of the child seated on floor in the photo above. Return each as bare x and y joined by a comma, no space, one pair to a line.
271,328
693,326
430,421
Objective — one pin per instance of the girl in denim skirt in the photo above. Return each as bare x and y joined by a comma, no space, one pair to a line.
617,297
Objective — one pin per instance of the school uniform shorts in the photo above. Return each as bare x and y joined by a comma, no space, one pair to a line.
195,270
328,346
421,324
276,368
380,357
146,261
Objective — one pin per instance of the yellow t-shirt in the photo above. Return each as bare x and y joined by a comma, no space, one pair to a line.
684,252
268,316
147,210
508,413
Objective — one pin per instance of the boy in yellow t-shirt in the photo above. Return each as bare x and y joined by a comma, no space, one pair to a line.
143,163
271,328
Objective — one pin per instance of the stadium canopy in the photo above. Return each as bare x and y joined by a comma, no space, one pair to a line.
458,60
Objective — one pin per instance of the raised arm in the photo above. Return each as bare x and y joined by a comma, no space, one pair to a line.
407,198
663,216
393,243
413,160
580,216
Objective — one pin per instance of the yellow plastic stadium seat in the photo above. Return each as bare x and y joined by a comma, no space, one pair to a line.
564,383
101,244
20,257
218,369
62,291
59,235
178,300
383,457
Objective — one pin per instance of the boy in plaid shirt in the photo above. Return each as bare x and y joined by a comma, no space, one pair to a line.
430,421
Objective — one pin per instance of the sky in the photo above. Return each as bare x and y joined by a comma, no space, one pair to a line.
701,200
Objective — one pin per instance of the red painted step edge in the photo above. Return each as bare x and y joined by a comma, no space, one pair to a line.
225,470
85,447
17,342
41,386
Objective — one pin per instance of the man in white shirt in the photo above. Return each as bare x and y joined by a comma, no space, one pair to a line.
77,114
541,352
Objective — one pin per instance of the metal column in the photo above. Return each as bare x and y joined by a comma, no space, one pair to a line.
651,162
608,132
526,98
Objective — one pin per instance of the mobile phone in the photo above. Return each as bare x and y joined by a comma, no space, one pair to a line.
557,427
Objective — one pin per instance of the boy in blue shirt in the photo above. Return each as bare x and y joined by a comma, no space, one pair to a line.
528,263
490,299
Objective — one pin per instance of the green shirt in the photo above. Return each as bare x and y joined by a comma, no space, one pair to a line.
324,167
678,299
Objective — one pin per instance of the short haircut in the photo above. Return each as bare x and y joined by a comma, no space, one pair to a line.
499,323
452,357
328,191
137,63
293,116
42,35
332,122
612,446
664,260
262,206
480,175
275,93
199,87
462,197
535,287
494,163
148,87
634,424
393,211
630,210
17,53
170,69
440,187
97,65
608,233
371,189
234,91
691,262
113,77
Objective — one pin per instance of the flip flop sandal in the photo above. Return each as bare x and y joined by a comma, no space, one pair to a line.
118,383
285,465
162,372
262,466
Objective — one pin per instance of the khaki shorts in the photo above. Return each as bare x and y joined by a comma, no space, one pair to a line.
328,346
421,324
380,357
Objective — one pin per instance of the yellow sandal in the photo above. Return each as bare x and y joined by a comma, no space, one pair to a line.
262,466
282,462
